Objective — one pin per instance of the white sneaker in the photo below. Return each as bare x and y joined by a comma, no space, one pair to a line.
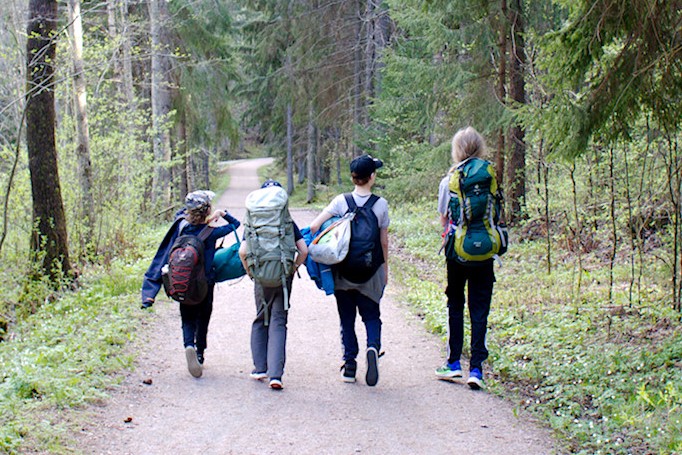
258,375
276,384
193,364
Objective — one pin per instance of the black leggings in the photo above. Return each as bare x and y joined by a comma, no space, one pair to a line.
195,319
480,278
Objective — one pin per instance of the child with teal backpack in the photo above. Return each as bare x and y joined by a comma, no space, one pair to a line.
469,202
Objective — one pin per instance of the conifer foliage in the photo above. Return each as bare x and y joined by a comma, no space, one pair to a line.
572,95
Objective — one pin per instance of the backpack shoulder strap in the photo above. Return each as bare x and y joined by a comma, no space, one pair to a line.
202,235
371,201
183,224
205,232
352,206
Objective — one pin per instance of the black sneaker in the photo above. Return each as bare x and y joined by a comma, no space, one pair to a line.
372,376
349,368
193,364
200,358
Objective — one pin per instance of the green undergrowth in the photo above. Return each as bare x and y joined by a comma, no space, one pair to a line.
65,350
604,374
69,353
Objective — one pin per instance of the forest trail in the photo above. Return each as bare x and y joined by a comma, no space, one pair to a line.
226,412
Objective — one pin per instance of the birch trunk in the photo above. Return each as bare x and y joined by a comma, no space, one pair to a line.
80,108
161,103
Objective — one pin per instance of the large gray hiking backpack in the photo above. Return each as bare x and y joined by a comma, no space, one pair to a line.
269,236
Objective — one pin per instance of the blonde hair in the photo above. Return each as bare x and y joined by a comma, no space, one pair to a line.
467,143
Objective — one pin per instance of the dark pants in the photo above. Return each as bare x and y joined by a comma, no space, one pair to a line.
480,280
195,319
349,303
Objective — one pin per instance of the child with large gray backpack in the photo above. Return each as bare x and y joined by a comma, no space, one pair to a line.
469,203
272,252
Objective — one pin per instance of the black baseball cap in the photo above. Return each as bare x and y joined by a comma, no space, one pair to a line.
364,165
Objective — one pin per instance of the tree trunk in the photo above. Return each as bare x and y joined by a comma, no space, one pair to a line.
435,136
370,56
312,141
126,58
49,236
358,102
111,24
161,103
516,169
117,21
301,164
545,179
184,178
501,90
290,152
80,104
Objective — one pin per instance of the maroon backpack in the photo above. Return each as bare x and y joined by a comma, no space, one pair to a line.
184,277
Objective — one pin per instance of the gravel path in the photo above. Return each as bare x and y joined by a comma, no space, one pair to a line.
226,412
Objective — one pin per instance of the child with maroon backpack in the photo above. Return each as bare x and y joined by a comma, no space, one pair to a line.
195,219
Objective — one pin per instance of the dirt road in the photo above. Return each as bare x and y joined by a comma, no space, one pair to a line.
226,412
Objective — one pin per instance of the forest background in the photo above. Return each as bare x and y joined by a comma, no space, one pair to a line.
112,110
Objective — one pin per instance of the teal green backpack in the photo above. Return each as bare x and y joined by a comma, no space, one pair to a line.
475,232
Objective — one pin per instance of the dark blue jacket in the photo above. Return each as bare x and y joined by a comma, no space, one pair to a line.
151,285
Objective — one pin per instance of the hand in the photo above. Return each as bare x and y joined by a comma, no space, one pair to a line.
217,215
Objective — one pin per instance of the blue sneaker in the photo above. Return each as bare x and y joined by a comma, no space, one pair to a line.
475,380
449,371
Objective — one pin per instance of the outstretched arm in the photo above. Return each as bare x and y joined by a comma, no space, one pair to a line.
317,222
242,256
302,253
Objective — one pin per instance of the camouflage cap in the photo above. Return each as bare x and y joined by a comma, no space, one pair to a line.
198,200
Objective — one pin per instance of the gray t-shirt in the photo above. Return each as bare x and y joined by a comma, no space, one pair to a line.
444,195
338,207
374,287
